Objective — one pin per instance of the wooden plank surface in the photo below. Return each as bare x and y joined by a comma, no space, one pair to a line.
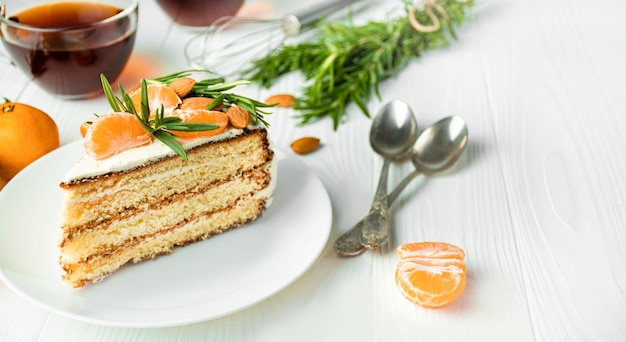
537,201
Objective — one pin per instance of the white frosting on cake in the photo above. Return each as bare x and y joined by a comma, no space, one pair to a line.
135,157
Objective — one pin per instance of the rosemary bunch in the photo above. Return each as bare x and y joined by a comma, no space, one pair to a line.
348,62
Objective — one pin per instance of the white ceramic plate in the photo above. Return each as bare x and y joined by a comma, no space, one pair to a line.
202,281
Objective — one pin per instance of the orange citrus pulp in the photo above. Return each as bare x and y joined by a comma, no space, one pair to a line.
158,94
84,127
430,274
114,132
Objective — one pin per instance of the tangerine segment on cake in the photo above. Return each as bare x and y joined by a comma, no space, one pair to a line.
141,202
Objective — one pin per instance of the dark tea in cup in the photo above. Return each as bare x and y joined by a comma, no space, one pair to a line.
199,13
65,45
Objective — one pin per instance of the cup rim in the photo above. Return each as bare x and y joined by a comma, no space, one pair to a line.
132,7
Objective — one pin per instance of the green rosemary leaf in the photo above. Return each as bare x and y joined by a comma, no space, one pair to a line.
130,106
190,127
242,101
208,82
217,100
114,102
170,119
174,76
169,140
145,125
145,105
219,87
358,100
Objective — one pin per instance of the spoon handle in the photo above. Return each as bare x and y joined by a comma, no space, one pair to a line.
400,187
349,244
375,231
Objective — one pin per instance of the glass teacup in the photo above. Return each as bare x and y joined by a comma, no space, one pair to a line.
65,45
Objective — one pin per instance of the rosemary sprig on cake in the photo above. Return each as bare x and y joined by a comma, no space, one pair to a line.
347,63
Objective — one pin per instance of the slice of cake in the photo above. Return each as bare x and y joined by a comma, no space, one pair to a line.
143,201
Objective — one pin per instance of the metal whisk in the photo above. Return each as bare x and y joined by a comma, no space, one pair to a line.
232,42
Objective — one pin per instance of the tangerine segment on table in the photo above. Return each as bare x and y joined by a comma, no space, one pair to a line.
430,274
201,116
114,132
158,94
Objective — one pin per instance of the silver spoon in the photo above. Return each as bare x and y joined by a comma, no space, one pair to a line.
436,150
393,133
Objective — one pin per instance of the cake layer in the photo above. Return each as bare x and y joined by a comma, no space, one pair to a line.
121,230
200,227
136,189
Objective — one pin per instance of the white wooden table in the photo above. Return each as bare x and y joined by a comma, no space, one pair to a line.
537,202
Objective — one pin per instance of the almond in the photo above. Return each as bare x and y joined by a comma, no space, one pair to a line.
199,102
182,86
305,145
281,100
238,117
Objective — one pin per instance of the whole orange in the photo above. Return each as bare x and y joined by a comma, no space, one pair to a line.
26,133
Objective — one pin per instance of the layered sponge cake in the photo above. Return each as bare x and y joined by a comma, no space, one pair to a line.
144,201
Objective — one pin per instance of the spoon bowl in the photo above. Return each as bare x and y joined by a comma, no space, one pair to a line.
440,145
394,130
